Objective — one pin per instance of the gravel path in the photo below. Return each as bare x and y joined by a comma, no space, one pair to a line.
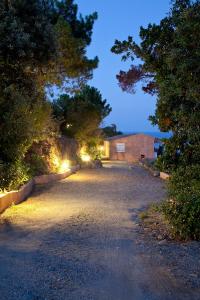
79,239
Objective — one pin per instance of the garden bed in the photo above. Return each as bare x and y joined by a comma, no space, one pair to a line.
16,197
181,258
149,165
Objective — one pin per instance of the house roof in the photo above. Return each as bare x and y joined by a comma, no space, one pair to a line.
121,136
116,137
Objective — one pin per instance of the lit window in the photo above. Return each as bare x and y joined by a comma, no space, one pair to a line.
120,147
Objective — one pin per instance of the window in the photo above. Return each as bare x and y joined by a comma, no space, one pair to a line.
120,147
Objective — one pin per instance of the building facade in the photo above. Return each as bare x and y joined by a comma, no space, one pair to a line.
129,147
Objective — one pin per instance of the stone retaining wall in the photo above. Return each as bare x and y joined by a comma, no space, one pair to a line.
164,175
16,197
155,173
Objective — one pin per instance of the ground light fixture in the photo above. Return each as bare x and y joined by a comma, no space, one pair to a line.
101,148
85,157
61,165
64,166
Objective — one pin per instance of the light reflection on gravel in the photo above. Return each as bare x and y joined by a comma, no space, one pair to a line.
80,239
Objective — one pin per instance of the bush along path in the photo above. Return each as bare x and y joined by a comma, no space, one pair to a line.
166,51
80,239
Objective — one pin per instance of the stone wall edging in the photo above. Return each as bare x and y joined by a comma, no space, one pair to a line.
16,197
162,175
152,171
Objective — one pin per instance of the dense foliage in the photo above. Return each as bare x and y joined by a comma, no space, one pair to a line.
80,116
41,43
111,130
183,207
170,56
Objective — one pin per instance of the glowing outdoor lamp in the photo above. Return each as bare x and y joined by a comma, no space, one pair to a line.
64,166
101,148
85,157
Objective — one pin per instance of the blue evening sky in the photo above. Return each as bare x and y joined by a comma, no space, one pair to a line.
117,19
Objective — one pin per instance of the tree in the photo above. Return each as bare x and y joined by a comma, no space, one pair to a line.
111,130
81,115
41,43
170,55
44,40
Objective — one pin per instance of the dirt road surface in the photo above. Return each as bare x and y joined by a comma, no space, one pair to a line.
79,239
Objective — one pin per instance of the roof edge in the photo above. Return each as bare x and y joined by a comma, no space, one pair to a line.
121,136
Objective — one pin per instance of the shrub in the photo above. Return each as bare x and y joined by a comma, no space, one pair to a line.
38,165
43,157
160,164
93,151
149,163
13,175
169,68
183,207
42,43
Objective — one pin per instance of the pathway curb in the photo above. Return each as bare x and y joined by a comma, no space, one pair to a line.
164,176
16,197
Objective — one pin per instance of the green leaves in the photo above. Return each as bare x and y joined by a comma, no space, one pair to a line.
183,208
170,55
81,115
41,43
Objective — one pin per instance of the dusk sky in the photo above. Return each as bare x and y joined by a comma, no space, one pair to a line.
118,19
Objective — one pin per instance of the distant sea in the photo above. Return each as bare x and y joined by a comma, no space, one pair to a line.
157,134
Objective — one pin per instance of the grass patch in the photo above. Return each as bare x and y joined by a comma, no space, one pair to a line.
155,224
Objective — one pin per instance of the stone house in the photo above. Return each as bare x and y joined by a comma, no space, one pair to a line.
130,147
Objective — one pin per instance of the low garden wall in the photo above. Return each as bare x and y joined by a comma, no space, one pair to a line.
164,176
147,165
16,197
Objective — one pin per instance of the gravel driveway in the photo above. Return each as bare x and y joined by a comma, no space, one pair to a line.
79,239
